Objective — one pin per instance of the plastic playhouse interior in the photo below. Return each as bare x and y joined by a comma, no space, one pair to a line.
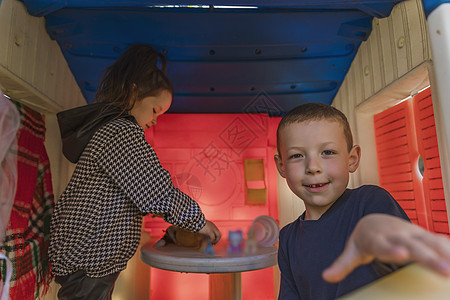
236,69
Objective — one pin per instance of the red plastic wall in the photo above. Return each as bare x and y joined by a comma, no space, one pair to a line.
403,133
205,155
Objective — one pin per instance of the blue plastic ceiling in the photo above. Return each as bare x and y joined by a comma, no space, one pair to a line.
430,5
264,56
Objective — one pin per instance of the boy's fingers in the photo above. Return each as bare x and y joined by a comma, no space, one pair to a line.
440,244
355,255
432,251
388,251
392,240
428,257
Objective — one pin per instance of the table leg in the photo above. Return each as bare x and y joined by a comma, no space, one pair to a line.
237,286
225,286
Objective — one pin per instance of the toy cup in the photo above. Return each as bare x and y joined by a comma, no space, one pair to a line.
265,230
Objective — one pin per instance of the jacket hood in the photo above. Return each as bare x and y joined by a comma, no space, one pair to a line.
78,125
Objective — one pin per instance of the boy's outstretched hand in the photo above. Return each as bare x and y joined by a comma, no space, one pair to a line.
391,240
211,231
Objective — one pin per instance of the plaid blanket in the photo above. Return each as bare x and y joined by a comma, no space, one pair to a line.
28,231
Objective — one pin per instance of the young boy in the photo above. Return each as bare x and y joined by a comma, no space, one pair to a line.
316,155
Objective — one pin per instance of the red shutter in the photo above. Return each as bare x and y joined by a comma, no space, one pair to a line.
403,133
428,149
397,152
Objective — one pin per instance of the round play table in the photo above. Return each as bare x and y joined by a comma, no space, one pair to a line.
188,260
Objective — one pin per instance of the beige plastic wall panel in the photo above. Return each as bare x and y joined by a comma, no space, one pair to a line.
400,33
32,67
61,168
440,40
420,49
52,292
376,60
22,45
290,206
387,43
440,115
366,69
358,75
5,18
42,79
133,282
397,46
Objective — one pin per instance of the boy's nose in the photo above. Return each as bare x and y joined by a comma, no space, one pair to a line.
313,166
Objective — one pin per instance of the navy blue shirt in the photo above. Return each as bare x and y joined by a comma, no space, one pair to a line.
307,247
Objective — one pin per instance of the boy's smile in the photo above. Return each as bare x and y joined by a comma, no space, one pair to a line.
316,163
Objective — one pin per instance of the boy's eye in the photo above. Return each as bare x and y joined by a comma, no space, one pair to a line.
328,152
296,156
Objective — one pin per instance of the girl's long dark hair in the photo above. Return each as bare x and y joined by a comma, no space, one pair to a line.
133,76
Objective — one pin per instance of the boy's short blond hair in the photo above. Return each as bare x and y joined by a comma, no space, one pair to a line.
314,112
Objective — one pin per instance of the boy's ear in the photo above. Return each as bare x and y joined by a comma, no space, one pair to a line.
279,164
354,157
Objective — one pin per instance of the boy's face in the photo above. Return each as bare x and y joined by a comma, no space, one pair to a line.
316,163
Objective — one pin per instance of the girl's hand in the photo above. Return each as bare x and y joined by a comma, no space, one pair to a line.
211,231
391,240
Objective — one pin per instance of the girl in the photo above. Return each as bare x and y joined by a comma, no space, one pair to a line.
96,225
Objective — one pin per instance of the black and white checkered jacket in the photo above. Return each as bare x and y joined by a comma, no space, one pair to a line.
96,225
